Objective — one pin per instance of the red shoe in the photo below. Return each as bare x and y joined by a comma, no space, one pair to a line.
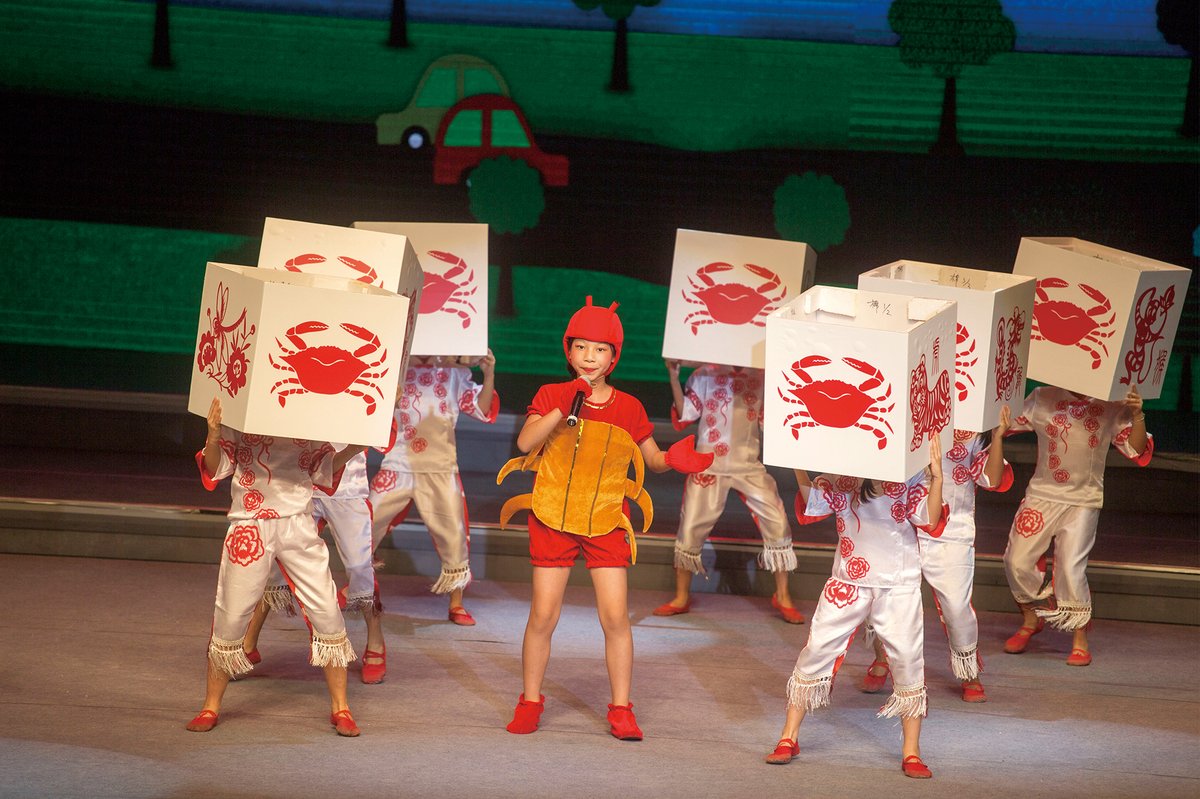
873,683
374,666
672,610
459,615
785,750
1020,639
790,615
622,724
205,720
343,722
526,716
253,656
973,692
1079,657
913,767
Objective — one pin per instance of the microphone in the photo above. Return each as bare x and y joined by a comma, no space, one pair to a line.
576,405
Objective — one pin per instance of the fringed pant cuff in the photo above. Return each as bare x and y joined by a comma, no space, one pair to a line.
279,599
361,602
965,663
332,650
908,702
1066,617
452,580
229,657
689,561
777,558
808,693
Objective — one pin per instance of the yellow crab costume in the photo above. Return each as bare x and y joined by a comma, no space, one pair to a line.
583,481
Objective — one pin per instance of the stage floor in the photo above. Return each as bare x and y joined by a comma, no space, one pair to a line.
104,662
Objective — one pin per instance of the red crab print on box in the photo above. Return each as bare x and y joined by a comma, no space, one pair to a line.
836,403
360,271
1009,375
328,368
731,303
1064,322
929,407
221,353
1149,319
964,359
448,293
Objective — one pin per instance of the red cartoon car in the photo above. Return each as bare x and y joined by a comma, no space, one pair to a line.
486,126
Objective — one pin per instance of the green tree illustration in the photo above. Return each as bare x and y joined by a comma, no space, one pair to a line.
618,11
812,208
1179,23
398,27
160,54
506,195
948,35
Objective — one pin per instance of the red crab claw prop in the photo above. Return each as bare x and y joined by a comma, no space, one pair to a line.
683,457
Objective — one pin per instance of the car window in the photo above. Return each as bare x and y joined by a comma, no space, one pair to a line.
480,81
439,90
465,130
507,130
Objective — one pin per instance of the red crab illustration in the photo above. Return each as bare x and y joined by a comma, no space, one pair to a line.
836,403
1149,319
443,292
964,359
731,303
930,408
328,369
365,272
1009,374
1063,322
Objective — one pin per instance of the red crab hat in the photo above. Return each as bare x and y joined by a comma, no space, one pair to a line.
596,324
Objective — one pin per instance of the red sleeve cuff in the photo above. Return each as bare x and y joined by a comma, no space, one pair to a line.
801,506
337,479
678,425
207,479
1006,479
493,411
936,530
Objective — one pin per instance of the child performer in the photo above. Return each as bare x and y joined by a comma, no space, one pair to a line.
421,466
348,514
948,561
270,521
876,579
592,345
1062,505
728,402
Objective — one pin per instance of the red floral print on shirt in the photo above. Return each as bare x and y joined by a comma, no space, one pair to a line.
244,544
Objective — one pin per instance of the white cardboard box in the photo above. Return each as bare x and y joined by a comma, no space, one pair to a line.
1103,319
857,382
453,313
374,258
298,355
991,334
722,289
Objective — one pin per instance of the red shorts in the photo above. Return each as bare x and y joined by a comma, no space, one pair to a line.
550,547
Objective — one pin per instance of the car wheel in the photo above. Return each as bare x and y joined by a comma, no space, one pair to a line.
416,138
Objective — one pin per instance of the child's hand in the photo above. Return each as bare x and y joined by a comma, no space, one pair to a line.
214,419
672,368
935,458
1005,422
1133,401
488,363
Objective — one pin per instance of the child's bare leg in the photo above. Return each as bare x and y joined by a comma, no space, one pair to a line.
1080,640
216,681
612,593
335,680
791,724
456,598
254,629
545,606
781,589
374,622
911,727
880,652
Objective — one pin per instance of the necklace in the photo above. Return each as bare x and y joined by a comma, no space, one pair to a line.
599,405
